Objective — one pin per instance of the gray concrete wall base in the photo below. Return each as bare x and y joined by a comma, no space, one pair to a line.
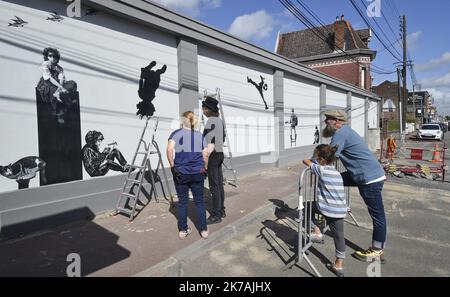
296,154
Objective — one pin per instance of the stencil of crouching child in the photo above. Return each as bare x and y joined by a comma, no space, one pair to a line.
24,170
53,87
98,163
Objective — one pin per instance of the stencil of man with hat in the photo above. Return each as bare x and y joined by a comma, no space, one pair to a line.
363,171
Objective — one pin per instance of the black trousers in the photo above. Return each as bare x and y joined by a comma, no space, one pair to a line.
215,179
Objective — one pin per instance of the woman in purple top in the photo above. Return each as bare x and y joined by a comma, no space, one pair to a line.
188,170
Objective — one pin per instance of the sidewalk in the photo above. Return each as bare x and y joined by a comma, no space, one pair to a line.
112,246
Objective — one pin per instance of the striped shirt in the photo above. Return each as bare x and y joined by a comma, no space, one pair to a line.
331,200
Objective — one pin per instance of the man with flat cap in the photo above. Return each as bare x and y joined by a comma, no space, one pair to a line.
363,171
214,134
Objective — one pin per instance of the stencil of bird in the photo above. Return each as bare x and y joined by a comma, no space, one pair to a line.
17,22
55,17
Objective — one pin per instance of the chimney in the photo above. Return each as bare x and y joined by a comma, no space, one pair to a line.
339,33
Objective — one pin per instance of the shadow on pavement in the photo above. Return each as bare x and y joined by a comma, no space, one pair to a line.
46,254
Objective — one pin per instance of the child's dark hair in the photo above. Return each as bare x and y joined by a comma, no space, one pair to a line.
325,154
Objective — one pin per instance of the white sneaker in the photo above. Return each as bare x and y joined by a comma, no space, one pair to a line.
204,234
184,233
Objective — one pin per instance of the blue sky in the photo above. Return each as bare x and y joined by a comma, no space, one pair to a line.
428,28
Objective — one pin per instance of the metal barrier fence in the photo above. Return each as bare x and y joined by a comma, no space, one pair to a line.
410,158
307,196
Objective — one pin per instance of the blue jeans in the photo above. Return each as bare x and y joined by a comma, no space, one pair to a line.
371,195
183,183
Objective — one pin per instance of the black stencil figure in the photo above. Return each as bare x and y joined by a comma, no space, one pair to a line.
294,123
17,22
24,170
55,17
148,84
316,136
53,87
58,118
99,163
261,87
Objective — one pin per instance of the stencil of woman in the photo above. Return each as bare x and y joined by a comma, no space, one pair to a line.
53,85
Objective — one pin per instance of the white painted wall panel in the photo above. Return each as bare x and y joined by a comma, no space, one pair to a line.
302,96
358,123
373,115
250,126
104,55
336,98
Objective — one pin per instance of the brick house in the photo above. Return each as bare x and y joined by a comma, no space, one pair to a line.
388,91
353,66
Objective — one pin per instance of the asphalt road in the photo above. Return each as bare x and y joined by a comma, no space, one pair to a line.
418,241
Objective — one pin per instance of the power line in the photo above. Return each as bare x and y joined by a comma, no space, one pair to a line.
310,25
382,31
357,8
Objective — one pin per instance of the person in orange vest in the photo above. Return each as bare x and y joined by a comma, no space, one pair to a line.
391,146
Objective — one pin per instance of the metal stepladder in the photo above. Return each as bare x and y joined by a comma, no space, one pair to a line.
130,198
229,174
293,137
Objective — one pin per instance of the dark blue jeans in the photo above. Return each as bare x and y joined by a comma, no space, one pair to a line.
371,195
195,182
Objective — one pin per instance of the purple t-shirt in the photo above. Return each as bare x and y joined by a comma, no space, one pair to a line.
189,145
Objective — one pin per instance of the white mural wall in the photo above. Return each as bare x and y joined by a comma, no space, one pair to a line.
250,125
372,115
103,55
336,98
302,96
358,121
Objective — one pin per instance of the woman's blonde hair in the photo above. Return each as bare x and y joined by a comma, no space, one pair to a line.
189,120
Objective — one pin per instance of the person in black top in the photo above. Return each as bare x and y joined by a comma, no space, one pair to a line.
214,134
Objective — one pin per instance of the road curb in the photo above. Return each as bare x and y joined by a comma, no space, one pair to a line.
173,266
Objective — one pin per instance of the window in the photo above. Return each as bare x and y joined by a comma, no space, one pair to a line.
363,78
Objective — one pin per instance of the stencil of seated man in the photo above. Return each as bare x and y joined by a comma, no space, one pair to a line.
98,163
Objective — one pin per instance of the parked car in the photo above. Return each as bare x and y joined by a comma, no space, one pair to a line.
430,131
444,127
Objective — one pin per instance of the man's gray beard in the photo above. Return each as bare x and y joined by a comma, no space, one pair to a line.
329,131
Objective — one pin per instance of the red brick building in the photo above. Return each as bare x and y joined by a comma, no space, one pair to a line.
326,54
388,91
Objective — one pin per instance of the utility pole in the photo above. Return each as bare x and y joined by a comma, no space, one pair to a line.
400,99
405,62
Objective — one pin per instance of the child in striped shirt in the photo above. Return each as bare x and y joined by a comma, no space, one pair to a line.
330,201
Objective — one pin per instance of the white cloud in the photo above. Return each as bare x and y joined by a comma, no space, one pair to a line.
190,7
412,39
436,82
441,100
435,63
255,26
